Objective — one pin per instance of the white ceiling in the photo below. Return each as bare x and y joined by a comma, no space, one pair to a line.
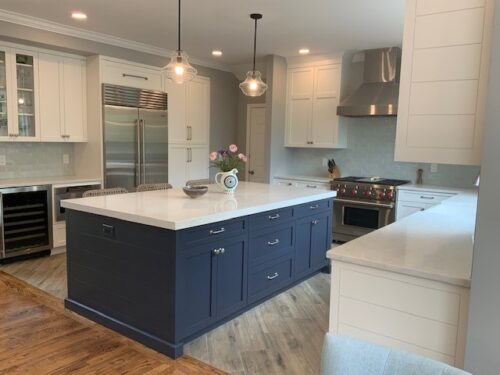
323,26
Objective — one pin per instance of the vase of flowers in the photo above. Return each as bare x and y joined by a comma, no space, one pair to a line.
228,162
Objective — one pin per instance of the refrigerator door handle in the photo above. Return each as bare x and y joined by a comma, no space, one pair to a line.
138,153
143,148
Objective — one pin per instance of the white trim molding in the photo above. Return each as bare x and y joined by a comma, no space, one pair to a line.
58,28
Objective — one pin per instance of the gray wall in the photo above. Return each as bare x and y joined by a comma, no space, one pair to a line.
483,338
36,160
370,152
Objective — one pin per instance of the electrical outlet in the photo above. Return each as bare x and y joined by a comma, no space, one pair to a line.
325,162
434,168
65,158
3,161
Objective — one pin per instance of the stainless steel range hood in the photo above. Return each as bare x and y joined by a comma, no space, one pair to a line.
378,95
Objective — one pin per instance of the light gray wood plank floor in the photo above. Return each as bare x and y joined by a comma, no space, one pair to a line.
281,336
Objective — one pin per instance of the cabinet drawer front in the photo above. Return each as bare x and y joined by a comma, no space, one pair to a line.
266,279
274,217
130,75
271,244
312,207
212,232
426,197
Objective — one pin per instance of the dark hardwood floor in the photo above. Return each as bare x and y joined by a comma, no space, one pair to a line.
281,336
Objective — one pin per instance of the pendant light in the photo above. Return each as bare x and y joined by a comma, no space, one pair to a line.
178,69
253,84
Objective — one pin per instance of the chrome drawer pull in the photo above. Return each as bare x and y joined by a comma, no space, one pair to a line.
272,243
314,207
424,197
314,222
219,251
269,277
312,186
271,217
221,230
134,76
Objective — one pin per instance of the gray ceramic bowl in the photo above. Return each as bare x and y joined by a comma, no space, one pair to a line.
195,191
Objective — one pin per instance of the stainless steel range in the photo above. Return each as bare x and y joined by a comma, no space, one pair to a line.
362,205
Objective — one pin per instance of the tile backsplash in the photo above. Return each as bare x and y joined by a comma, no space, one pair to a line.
370,152
36,160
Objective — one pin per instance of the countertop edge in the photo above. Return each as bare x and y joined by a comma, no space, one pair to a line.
456,281
185,224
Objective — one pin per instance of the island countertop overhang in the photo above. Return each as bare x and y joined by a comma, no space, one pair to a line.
172,209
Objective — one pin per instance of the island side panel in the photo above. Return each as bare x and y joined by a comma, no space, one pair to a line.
122,275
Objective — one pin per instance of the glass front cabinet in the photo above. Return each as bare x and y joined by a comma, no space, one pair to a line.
18,95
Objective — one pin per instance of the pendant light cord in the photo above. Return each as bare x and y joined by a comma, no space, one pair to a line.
179,29
254,44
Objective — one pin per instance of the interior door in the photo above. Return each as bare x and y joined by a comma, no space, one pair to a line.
257,155
154,146
121,153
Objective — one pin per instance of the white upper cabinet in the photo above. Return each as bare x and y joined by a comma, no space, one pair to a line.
312,98
19,107
131,75
189,111
63,109
444,76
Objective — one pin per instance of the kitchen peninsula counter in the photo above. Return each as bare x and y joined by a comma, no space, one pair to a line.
162,268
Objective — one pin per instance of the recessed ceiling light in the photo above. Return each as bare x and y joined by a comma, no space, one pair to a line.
77,15
304,51
217,52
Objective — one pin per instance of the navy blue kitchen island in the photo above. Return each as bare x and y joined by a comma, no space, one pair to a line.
163,269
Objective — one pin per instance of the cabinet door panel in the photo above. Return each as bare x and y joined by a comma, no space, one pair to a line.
195,293
51,98
5,98
231,277
408,208
437,6
198,165
302,248
324,121
177,130
198,110
177,165
449,29
301,83
299,121
75,100
320,239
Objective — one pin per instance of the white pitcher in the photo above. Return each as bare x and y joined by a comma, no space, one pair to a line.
227,180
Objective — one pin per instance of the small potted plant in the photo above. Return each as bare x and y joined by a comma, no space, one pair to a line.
228,162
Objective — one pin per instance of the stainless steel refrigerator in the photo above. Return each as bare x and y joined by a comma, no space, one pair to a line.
135,136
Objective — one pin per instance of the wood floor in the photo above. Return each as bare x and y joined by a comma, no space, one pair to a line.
38,336
281,336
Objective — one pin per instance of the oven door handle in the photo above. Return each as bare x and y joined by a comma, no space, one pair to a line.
386,205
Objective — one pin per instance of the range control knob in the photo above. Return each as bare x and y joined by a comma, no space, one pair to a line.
354,192
390,195
382,195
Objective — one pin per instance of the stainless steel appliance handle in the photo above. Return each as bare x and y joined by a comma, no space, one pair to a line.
134,76
375,204
138,153
143,161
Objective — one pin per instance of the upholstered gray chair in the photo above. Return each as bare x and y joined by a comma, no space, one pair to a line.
102,192
343,355
153,187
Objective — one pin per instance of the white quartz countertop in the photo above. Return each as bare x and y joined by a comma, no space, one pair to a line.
30,181
172,209
435,244
305,178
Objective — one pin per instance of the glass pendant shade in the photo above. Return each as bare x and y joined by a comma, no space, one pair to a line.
178,69
253,84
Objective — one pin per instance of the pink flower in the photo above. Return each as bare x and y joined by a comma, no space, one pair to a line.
233,148
212,156
242,157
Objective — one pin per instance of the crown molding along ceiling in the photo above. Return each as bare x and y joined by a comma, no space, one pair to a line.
329,28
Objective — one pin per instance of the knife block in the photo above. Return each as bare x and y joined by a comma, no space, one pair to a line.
335,173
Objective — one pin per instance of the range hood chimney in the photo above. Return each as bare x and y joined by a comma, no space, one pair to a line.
378,95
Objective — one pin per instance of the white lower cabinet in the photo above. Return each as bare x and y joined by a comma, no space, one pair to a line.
302,183
187,162
63,107
413,201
